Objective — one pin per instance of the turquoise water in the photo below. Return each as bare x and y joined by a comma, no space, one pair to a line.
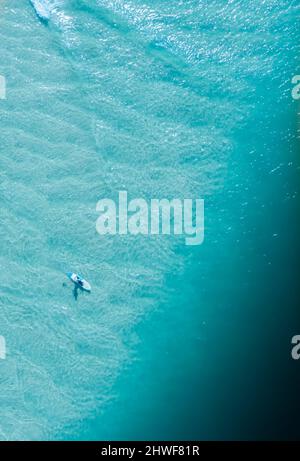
162,99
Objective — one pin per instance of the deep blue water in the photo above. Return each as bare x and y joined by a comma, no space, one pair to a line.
162,99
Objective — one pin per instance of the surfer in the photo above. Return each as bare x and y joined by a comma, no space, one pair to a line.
79,283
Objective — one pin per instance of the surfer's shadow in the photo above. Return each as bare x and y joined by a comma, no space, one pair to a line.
76,290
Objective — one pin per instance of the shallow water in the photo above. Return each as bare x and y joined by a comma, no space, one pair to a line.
163,99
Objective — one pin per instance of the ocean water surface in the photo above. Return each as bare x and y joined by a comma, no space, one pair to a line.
164,99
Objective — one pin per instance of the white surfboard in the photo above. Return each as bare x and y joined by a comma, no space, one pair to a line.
41,8
79,281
